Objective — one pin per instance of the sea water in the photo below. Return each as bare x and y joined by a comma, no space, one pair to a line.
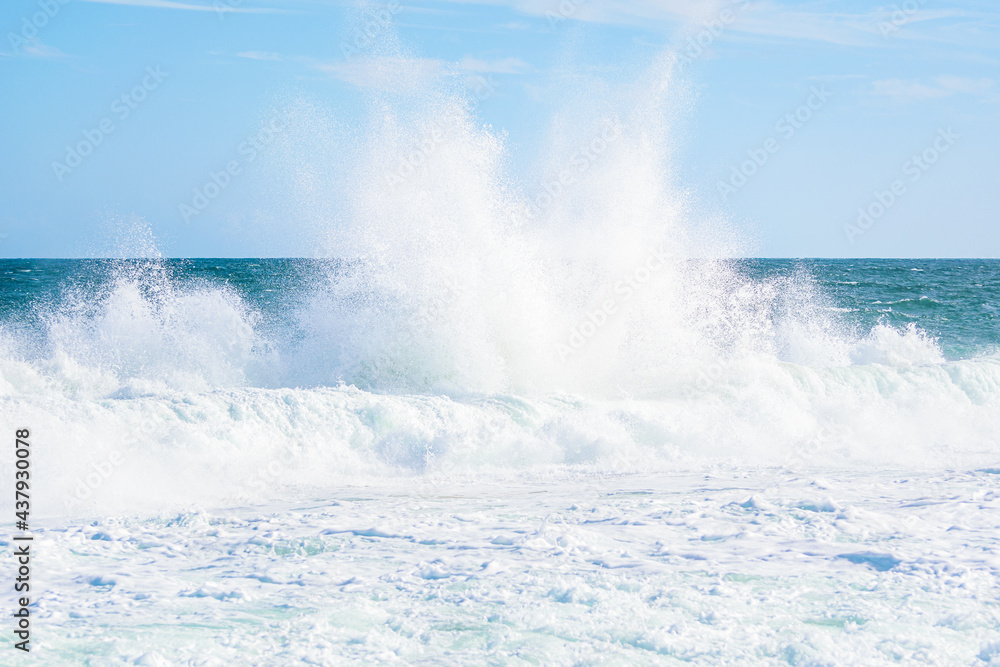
221,475
495,421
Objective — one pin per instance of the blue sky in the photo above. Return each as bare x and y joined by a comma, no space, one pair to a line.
167,93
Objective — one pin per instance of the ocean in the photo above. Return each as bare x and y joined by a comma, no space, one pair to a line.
479,456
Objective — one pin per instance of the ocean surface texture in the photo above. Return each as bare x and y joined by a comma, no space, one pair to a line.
429,458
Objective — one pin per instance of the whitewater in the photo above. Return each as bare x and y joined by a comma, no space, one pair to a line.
542,419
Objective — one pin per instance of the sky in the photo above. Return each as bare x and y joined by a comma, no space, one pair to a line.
816,129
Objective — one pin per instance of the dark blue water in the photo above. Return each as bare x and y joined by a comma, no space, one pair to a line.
954,301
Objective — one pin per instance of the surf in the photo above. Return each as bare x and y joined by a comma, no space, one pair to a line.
471,319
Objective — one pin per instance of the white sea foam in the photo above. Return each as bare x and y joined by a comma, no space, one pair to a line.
719,567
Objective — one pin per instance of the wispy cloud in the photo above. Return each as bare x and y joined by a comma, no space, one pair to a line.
32,48
383,74
940,87
260,55
172,4
611,11
767,19
392,73
899,18
36,49
514,25
504,66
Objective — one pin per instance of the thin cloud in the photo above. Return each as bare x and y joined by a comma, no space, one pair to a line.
835,77
940,87
965,85
392,73
260,55
172,4
504,66
383,74
36,49
32,48
763,18
514,25
899,19
612,11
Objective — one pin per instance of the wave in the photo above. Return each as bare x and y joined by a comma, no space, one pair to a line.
157,393
253,445
474,323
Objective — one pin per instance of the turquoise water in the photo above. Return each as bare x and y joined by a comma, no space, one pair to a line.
955,301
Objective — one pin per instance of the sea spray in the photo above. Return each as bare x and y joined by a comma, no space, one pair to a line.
425,338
